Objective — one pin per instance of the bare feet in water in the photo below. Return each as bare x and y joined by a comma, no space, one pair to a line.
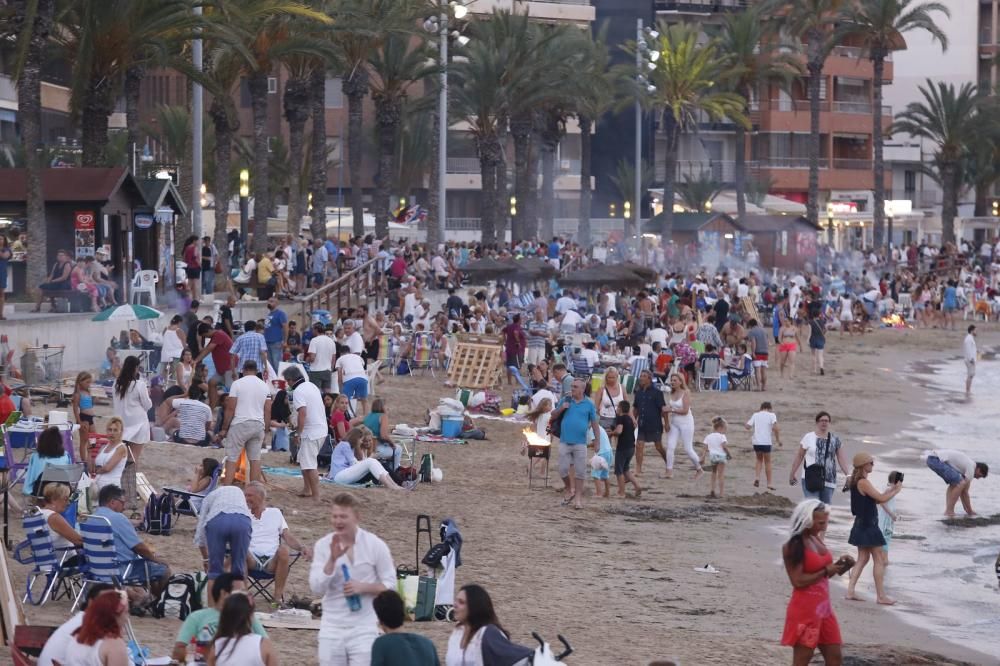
854,597
886,601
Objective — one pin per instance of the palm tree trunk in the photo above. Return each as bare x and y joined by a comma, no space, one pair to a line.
520,226
583,224
296,100
878,163
980,203
500,211
433,201
97,107
548,193
35,29
225,127
671,132
133,121
355,87
815,67
489,150
740,163
318,163
949,205
388,117
257,83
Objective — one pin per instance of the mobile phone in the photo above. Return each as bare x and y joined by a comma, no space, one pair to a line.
899,477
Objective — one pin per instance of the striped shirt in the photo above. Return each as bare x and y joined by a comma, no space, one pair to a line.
193,416
538,333
250,346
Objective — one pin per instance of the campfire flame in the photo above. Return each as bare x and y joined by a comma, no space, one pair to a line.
534,439
895,321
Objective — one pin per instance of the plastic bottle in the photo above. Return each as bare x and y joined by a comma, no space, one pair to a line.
353,600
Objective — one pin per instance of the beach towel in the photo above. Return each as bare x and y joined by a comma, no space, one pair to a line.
438,439
295,473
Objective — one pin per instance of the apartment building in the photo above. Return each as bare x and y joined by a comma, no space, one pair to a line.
463,182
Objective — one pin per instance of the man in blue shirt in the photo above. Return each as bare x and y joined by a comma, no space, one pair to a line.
249,347
275,332
553,252
578,416
128,545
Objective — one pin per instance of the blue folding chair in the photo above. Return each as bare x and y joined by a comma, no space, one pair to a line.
744,378
523,389
261,580
101,561
49,562
186,503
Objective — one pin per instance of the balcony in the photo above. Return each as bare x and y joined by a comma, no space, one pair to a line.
788,163
8,93
571,11
921,199
699,6
852,164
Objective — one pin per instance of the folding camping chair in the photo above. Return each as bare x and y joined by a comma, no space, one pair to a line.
261,580
28,643
708,373
581,368
385,355
49,562
372,371
744,378
523,389
101,561
188,503
423,355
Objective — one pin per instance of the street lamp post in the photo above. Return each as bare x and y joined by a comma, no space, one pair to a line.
645,58
244,208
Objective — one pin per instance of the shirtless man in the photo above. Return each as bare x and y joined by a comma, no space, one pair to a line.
733,332
958,471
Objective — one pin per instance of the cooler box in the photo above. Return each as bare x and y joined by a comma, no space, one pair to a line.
451,426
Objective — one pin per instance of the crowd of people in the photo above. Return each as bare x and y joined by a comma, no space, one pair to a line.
601,373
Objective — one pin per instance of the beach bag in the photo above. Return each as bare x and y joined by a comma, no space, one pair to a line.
403,368
325,453
426,467
815,478
157,516
179,598
555,424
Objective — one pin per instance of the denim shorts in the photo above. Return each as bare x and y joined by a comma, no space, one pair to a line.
950,475
825,496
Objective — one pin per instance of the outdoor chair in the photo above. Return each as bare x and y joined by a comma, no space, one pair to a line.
744,378
261,581
708,373
522,389
48,561
423,355
186,503
101,562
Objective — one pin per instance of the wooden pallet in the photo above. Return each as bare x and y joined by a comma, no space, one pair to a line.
750,308
477,362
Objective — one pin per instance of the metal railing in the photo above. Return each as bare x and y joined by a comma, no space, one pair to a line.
700,5
789,163
846,163
357,287
463,165
564,2
920,198
852,107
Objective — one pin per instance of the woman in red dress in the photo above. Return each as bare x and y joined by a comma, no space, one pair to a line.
809,620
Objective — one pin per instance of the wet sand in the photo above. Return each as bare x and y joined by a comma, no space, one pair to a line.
617,579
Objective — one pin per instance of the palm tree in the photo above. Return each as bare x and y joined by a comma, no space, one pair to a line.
596,99
362,25
318,152
395,66
950,119
757,64
685,86
880,25
698,193
624,178
32,23
814,21
223,67
297,102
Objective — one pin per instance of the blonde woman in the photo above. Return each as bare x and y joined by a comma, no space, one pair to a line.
866,534
607,398
351,461
681,425
109,463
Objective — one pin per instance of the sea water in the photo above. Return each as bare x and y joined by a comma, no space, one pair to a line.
942,576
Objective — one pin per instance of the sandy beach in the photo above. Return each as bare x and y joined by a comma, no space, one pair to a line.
617,579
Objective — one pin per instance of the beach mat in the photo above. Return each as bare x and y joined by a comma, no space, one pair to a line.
438,439
274,621
297,474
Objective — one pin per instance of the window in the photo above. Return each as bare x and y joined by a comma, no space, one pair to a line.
272,85
333,95
909,182
244,93
334,151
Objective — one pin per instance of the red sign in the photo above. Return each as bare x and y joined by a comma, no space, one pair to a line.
83,220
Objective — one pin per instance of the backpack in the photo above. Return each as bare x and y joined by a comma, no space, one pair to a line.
325,454
179,598
158,515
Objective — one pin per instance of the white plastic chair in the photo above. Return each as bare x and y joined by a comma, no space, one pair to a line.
144,283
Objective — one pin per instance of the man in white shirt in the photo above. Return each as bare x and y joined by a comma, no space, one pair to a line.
54,650
969,354
352,338
566,302
268,531
345,635
589,354
764,428
958,471
569,322
310,428
322,349
247,419
353,379
658,334
440,267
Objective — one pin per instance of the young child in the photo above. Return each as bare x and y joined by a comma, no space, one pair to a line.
83,412
764,427
716,454
887,515
601,465
624,434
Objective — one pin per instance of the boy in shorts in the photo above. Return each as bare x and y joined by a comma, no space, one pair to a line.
624,433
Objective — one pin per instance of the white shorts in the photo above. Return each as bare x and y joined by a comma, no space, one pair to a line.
532,355
309,452
970,369
760,364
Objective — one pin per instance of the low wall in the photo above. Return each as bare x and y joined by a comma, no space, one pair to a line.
85,341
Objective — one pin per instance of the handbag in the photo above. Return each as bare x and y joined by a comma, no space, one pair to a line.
815,477
555,424
218,267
